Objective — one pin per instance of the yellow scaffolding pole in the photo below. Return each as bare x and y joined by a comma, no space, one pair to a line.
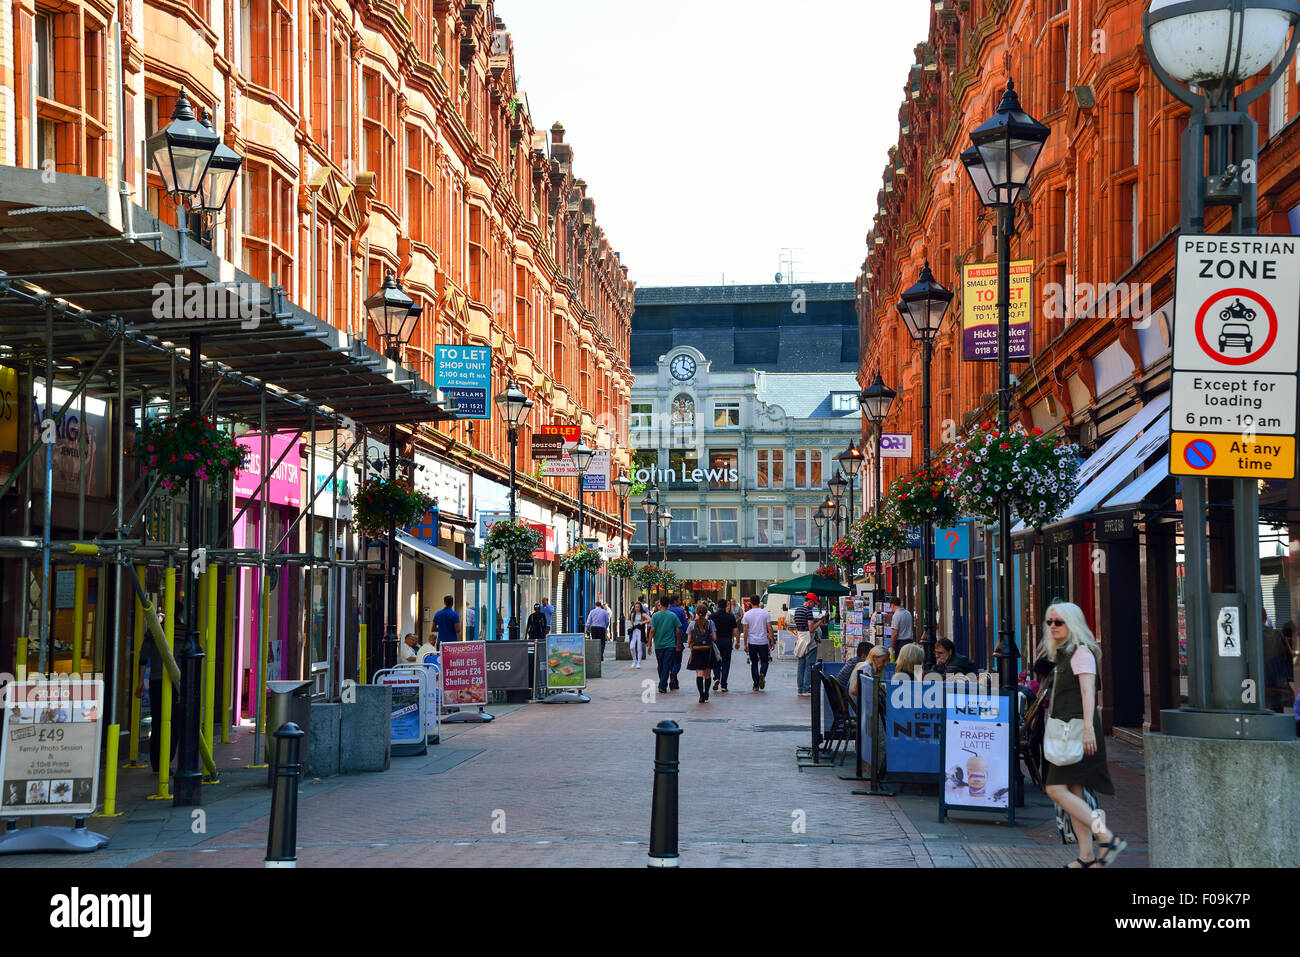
78,616
361,645
137,639
20,663
228,665
162,710
210,653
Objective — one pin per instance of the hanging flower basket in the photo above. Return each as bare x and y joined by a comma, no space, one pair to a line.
878,533
668,581
623,568
1037,475
378,501
179,448
828,571
925,496
581,558
515,541
842,553
647,576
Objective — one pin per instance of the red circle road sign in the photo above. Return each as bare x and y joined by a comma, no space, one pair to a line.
1199,454
1233,328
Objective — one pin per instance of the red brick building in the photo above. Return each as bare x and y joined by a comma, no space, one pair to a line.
1102,210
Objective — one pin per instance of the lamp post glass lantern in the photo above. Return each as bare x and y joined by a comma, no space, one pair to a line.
622,488
665,520
581,457
876,400
514,405
183,152
923,306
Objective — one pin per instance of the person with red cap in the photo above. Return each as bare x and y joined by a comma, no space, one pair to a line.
806,620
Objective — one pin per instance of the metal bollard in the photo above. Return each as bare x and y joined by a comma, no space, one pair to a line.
282,835
663,819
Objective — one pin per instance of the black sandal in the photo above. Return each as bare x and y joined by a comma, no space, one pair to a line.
1082,864
1114,846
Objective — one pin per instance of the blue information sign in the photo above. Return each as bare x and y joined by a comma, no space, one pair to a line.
952,544
465,373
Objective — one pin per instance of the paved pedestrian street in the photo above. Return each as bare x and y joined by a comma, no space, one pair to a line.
570,785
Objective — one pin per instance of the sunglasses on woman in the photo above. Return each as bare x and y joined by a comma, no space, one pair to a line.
1053,622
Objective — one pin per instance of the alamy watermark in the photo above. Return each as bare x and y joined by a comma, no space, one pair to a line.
208,301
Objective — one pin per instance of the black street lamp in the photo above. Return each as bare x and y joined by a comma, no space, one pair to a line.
197,170
819,519
581,457
838,485
665,520
650,504
850,464
1000,163
831,511
394,315
923,306
1202,51
875,401
622,488
514,407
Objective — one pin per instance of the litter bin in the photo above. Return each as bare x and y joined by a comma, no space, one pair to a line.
285,701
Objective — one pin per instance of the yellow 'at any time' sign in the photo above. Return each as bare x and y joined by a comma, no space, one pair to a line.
1232,456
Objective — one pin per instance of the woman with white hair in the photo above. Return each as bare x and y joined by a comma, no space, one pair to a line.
1074,654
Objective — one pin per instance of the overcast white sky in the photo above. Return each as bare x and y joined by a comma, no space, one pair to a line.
714,133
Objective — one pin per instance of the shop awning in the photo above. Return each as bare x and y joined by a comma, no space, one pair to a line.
1135,492
422,551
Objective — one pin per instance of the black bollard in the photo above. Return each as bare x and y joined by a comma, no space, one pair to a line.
282,835
663,819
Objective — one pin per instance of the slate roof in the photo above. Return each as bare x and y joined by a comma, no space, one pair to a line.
805,395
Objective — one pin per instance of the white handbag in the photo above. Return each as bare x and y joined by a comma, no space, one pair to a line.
803,644
1062,740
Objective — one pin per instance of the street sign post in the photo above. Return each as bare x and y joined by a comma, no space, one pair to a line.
1236,338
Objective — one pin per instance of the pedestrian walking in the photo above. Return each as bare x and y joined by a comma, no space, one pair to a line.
1074,654
667,632
703,651
804,620
549,611
902,625
725,623
637,622
598,625
536,627
758,641
471,623
675,606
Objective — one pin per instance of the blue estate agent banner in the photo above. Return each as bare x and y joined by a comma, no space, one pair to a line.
465,373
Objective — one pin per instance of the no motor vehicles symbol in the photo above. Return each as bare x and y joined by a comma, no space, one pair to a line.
1234,336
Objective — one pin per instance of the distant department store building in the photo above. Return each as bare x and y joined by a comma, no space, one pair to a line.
743,396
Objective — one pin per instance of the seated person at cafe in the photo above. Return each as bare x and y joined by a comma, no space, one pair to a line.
845,675
948,662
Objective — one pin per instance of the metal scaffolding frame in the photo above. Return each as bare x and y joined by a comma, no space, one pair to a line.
79,284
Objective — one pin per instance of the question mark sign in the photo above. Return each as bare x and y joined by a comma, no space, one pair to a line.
952,538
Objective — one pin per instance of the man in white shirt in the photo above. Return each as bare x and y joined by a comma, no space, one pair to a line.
598,625
758,627
902,625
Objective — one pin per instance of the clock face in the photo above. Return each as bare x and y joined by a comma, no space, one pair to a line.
683,367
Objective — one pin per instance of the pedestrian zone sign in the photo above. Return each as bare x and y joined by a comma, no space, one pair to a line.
1236,339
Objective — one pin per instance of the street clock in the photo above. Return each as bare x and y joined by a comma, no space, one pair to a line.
683,367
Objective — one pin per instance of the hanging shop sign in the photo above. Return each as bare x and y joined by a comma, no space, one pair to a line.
896,445
566,663
464,673
465,374
1236,312
1114,528
952,544
49,757
285,487
547,445
977,751
979,307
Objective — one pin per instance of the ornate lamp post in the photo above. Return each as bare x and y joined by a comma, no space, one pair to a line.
875,401
1000,162
819,519
665,520
650,504
581,457
838,485
198,171
622,488
831,509
850,464
394,315
1213,46
923,306
514,407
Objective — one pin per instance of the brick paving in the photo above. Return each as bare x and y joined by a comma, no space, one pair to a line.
570,785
